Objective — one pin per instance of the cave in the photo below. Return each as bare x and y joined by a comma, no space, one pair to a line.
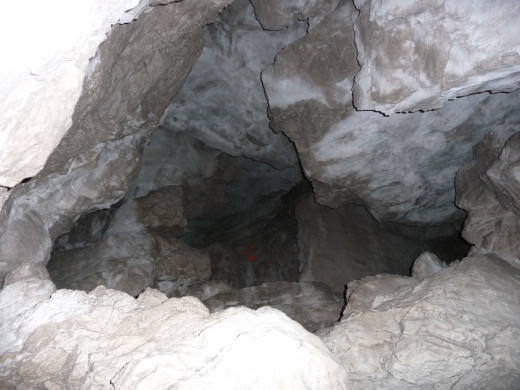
261,194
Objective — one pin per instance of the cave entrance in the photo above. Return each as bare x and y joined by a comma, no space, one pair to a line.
221,210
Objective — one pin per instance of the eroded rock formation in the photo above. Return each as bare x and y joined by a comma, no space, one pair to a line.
221,154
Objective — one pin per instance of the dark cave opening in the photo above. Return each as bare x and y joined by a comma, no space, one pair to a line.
221,208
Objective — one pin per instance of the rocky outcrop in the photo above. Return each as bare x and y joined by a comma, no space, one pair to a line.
417,56
457,329
401,167
109,339
313,305
340,245
486,190
135,74
41,82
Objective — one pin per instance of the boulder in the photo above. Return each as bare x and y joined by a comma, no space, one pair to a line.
109,339
457,329
427,264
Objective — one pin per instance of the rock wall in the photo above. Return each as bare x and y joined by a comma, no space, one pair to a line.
417,56
42,80
400,166
139,68
486,189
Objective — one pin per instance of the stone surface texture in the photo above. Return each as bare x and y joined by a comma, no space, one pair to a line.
223,103
313,305
485,189
138,70
401,167
107,339
416,56
457,329
332,249
276,15
42,81
427,264
138,249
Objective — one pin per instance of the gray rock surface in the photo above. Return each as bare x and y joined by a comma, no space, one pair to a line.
222,103
137,250
109,339
276,15
417,56
135,74
401,167
457,329
493,224
344,244
427,264
313,305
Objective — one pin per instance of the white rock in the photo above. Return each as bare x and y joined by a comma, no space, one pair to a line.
47,47
427,264
108,339
457,329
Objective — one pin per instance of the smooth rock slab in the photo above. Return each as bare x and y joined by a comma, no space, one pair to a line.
107,339
457,329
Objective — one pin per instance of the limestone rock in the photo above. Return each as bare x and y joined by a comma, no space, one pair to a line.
108,339
88,230
4,194
276,15
417,56
456,329
137,249
134,75
313,305
222,103
332,249
401,167
26,270
41,81
492,225
427,264
365,294
131,262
